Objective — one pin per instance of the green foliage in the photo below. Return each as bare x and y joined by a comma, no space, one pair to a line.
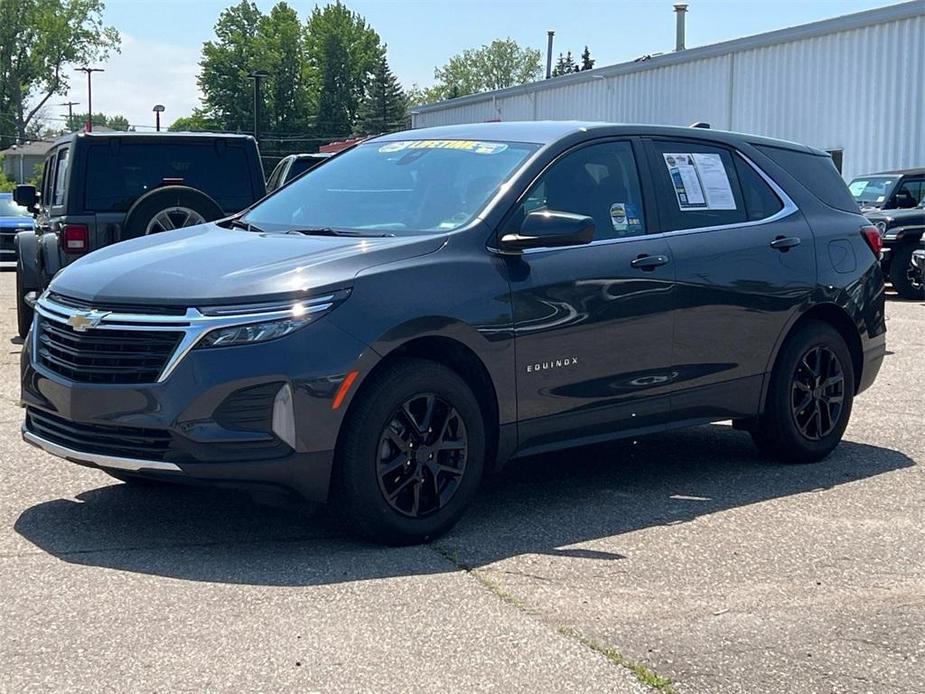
384,107
79,120
342,52
587,62
39,41
226,63
500,64
6,185
197,122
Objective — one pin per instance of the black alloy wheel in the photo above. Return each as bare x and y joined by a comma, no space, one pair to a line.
817,393
422,455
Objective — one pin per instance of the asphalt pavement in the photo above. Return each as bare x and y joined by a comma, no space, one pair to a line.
681,562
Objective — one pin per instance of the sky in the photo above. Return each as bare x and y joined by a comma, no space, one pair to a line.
162,39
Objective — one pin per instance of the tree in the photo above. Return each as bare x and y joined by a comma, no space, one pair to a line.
282,55
587,62
565,65
196,122
6,184
384,107
79,120
500,64
226,63
342,51
39,39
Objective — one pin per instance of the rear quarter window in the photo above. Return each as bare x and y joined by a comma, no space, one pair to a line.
116,176
816,173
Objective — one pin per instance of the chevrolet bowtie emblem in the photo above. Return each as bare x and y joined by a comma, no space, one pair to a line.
83,321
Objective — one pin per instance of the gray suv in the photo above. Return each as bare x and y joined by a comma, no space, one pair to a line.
101,188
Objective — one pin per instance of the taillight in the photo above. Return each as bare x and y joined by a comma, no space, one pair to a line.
75,238
872,235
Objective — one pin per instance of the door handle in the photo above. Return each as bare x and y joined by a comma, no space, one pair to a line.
648,262
785,243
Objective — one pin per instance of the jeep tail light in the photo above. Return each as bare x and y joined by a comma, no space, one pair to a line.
75,238
872,235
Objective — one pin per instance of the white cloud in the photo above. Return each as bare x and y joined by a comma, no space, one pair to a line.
145,73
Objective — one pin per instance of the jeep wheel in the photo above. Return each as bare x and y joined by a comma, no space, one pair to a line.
905,278
169,208
809,398
412,454
24,312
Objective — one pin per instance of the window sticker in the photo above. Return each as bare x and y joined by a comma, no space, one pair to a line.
700,181
625,218
473,146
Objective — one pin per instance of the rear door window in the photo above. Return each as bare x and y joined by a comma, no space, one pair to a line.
697,185
119,173
60,176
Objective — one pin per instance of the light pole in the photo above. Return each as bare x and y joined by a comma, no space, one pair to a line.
70,111
257,75
158,110
90,71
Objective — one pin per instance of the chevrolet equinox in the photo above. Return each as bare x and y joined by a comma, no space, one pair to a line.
389,327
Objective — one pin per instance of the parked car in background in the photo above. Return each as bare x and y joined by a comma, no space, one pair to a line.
101,188
13,219
889,190
918,263
425,306
892,200
294,165
901,231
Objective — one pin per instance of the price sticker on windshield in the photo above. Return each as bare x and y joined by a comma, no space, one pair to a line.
474,146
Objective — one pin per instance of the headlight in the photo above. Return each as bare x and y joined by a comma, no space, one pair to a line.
241,325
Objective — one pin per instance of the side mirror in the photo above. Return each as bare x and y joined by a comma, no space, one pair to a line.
549,229
25,195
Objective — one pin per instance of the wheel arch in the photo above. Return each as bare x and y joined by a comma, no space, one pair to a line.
840,319
459,358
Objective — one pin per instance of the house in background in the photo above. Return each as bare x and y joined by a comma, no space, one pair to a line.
19,161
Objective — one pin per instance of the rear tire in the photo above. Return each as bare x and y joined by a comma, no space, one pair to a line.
398,480
24,312
809,398
903,276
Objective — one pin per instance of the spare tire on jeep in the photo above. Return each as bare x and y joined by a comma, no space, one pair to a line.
170,207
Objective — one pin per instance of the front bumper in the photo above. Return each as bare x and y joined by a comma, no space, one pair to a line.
208,421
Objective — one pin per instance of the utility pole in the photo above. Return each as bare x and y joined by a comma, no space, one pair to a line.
257,75
70,111
90,71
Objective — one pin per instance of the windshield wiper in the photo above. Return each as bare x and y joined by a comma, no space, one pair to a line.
237,223
328,231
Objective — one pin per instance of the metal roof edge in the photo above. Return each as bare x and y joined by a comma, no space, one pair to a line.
878,15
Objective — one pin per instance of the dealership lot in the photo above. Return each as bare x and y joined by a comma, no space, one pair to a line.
685,553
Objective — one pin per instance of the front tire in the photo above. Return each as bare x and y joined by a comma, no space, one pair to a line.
903,276
411,454
809,398
24,312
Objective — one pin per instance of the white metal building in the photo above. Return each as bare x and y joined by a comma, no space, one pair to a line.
854,83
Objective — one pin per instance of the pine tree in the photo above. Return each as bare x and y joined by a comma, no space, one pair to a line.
564,65
587,62
384,106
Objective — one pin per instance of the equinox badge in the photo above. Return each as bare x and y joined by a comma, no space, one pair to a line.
552,364
82,322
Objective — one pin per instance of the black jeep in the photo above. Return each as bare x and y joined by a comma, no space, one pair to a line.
892,201
101,188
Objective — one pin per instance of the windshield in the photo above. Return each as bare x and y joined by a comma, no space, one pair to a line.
401,187
871,190
8,208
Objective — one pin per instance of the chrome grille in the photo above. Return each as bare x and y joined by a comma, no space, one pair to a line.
104,355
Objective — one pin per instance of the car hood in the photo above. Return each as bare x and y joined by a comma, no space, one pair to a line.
16,222
209,265
902,216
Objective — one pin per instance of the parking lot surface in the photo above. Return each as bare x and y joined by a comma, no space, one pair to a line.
683,557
